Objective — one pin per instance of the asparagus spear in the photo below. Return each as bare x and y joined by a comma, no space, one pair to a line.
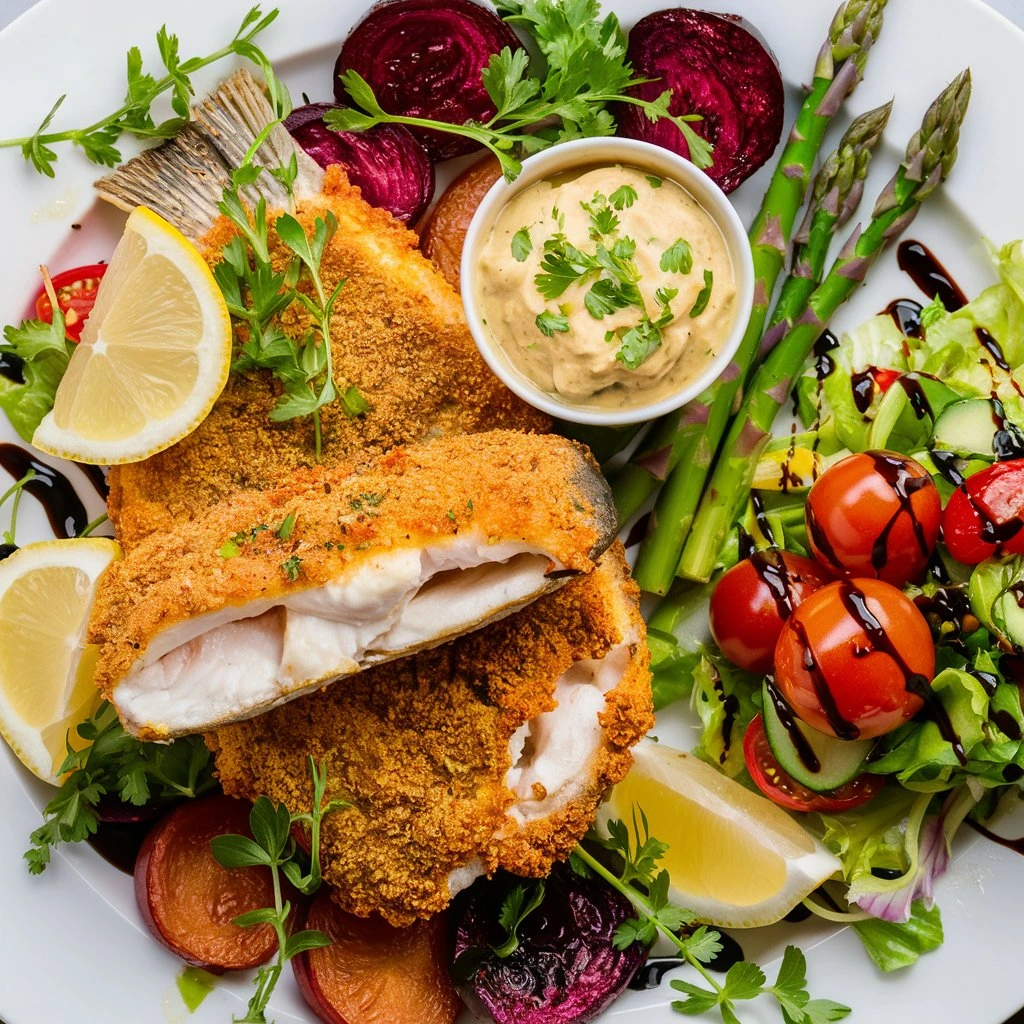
929,158
694,432
836,194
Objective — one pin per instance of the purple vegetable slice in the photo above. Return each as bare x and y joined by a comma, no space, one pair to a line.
388,163
424,58
717,67
565,969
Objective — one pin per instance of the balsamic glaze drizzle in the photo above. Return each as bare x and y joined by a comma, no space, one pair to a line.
651,973
918,261
787,719
12,367
906,315
904,485
53,490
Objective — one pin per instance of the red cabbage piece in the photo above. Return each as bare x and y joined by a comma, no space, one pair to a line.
565,970
717,67
388,163
423,58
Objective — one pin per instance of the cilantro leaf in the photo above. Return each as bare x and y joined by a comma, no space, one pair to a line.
623,197
549,323
677,258
703,296
514,911
522,245
653,180
699,1000
744,980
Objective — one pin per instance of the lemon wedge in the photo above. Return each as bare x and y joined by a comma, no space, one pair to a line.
46,688
735,859
154,355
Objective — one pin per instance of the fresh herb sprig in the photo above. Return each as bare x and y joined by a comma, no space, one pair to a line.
584,69
646,887
134,116
112,762
273,846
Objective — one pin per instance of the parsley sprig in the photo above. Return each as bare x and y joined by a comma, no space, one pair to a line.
646,887
564,96
112,762
273,846
134,116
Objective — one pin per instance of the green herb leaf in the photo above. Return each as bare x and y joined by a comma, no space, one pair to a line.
234,851
699,1000
744,980
515,909
285,530
262,916
291,567
653,180
623,197
522,245
304,940
677,258
548,323
703,296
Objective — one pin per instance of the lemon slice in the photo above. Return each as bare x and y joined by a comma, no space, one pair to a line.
46,689
735,859
154,355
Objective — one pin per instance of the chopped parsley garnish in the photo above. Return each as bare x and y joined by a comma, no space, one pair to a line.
451,515
653,180
291,567
229,549
368,499
548,323
623,197
233,546
704,296
677,258
522,245
603,220
638,343
284,531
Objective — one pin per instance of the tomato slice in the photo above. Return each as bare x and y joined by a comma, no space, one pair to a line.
76,295
985,515
785,791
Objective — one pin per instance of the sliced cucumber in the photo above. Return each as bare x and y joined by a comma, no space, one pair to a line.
968,428
838,760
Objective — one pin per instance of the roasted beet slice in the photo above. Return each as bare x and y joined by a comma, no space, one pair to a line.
388,163
423,58
716,67
373,973
565,970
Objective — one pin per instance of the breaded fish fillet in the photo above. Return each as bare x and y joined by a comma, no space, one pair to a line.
398,329
271,594
490,752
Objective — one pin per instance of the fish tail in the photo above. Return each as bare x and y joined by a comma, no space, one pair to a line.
184,178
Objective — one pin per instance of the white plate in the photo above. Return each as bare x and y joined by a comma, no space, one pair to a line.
72,947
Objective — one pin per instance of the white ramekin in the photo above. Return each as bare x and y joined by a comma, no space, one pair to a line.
587,153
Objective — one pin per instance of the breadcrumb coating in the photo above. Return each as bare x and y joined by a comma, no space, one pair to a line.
398,334
420,747
542,490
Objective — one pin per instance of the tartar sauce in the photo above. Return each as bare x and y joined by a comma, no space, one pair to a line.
608,287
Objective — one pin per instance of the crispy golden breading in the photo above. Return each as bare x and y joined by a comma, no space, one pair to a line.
398,334
499,486
420,747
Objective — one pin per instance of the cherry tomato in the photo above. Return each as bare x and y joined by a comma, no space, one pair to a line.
850,657
76,295
874,514
753,599
784,790
884,379
985,516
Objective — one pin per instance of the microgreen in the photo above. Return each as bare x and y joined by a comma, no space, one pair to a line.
522,245
584,68
14,492
112,762
646,886
273,846
135,116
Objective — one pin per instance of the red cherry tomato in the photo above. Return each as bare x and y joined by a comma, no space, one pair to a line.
76,295
784,790
874,514
847,656
753,599
985,516
884,379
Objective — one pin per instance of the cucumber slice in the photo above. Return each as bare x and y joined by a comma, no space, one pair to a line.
968,429
839,761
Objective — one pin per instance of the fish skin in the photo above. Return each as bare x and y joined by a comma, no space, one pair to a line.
541,490
398,331
420,749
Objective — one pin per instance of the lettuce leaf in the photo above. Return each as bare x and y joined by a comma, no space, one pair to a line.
723,699
45,352
893,946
